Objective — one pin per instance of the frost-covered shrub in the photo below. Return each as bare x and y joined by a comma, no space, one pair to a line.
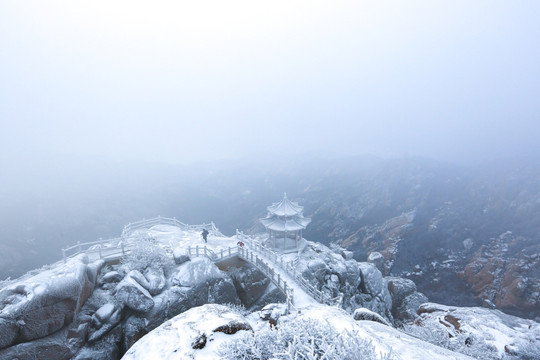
300,340
238,308
147,254
524,350
463,343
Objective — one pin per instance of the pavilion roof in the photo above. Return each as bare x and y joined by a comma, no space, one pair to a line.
292,224
285,208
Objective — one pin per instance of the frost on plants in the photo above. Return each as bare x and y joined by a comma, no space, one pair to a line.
300,340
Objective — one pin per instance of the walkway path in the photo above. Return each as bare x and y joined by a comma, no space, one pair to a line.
172,234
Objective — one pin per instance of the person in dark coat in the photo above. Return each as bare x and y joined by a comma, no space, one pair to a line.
205,235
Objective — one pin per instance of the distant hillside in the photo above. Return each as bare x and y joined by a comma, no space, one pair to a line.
465,235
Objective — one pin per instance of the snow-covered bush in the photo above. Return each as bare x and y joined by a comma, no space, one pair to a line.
147,254
300,340
523,350
237,308
464,343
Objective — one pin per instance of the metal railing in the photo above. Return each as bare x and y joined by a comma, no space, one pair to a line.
290,268
160,220
252,258
120,246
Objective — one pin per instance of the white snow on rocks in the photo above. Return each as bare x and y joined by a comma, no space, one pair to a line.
195,334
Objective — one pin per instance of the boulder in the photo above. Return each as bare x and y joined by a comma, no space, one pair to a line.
250,283
372,279
130,293
103,314
272,295
485,331
156,280
53,347
399,289
366,314
358,284
111,277
8,332
43,304
106,349
222,291
377,259
191,334
410,305
195,272
103,320
180,256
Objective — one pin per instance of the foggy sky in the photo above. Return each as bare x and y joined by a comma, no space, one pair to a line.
183,81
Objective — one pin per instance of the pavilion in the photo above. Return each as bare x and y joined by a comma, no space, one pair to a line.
284,223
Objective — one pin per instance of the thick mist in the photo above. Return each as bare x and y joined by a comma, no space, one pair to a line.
112,112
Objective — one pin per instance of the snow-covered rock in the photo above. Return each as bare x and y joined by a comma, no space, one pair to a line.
212,287
205,332
43,304
195,272
106,349
386,339
405,299
366,314
194,334
250,283
490,331
377,259
111,276
180,256
334,273
62,345
410,305
130,293
106,318
156,280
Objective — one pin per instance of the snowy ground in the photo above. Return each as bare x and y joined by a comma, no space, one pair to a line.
175,237
178,337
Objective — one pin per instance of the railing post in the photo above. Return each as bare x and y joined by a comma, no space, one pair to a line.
196,250
100,254
221,253
229,251
122,246
278,279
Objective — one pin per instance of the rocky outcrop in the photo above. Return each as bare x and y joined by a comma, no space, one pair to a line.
485,331
363,314
250,283
501,277
45,303
190,334
210,286
338,276
405,299
130,293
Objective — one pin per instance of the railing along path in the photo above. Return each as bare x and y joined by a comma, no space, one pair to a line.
267,261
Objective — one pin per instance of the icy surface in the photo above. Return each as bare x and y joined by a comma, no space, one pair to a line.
495,327
175,339
190,335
